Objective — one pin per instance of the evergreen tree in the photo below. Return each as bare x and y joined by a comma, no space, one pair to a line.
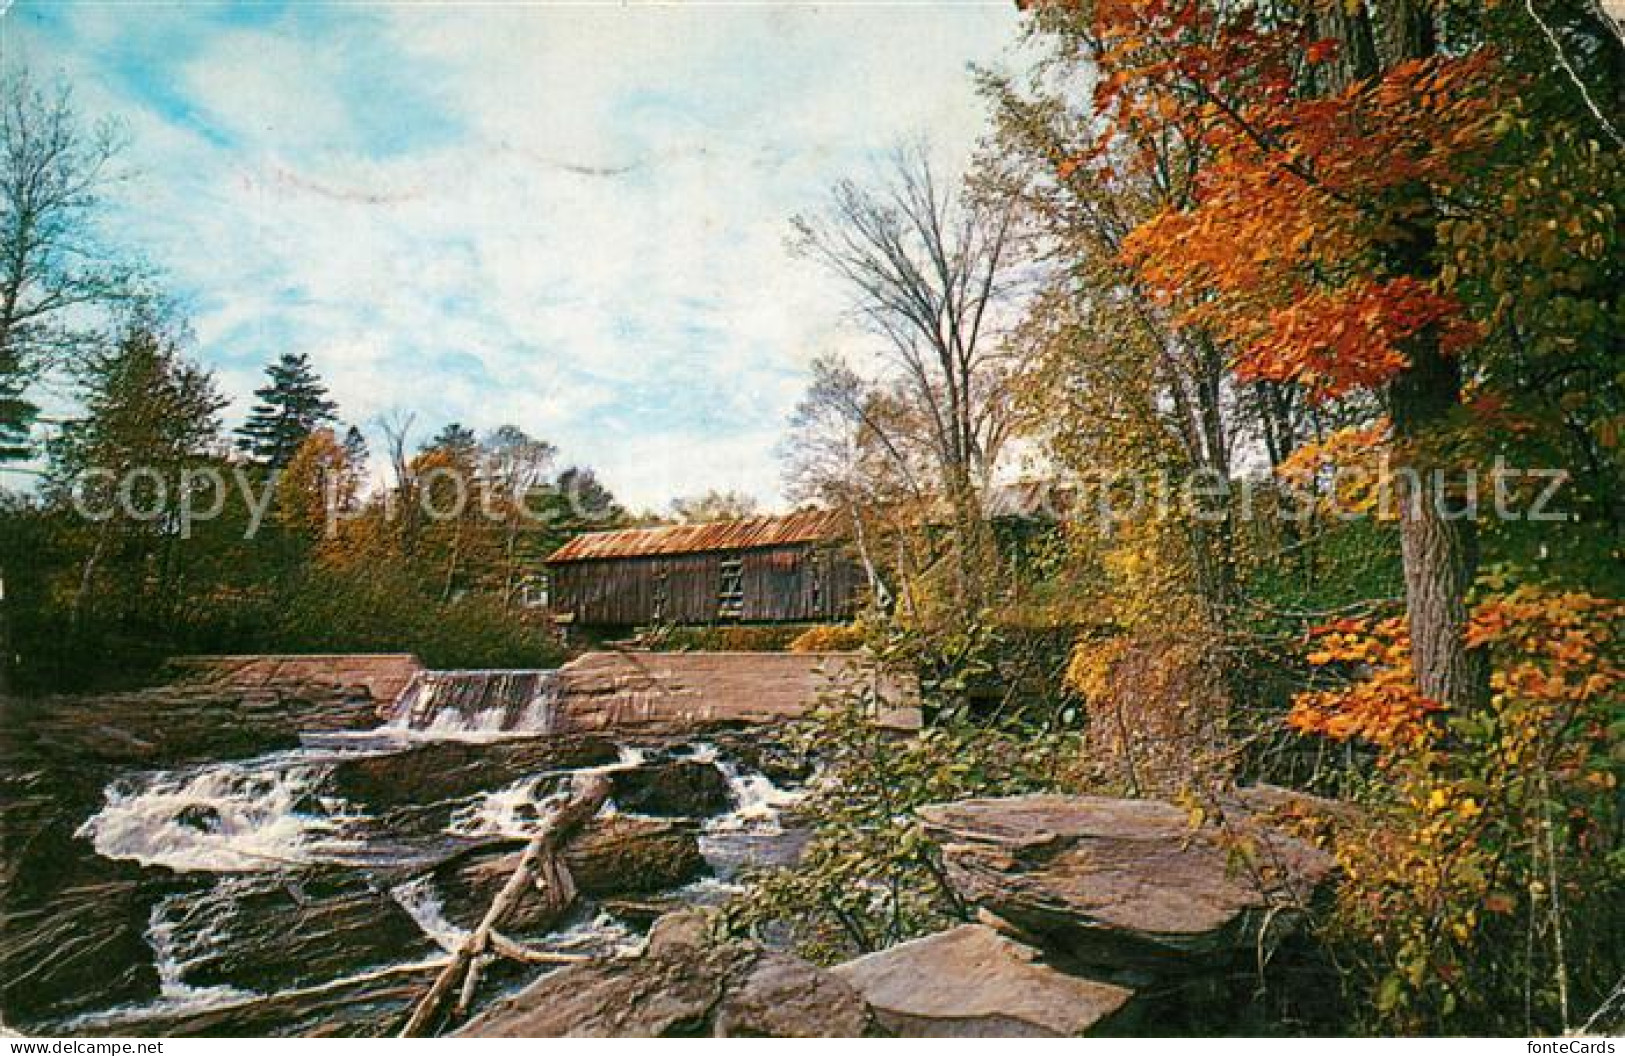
356,452
291,406
455,440
584,500
17,413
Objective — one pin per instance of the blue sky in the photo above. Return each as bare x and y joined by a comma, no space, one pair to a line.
572,218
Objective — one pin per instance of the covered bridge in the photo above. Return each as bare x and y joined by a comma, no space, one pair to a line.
789,569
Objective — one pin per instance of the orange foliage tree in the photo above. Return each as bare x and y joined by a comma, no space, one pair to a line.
1310,244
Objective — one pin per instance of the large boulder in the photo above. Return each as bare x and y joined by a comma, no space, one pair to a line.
276,931
435,771
681,788
84,949
972,982
759,749
620,855
377,678
684,985
72,923
1126,886
164,726
614,855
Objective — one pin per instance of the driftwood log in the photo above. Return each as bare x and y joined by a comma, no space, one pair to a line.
541,867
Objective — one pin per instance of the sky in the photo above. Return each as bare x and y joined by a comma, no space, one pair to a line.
572,218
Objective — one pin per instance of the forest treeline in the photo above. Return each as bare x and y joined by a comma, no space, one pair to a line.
1346,280
143,528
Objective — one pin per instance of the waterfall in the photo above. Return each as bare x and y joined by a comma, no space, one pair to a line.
477,702
222,817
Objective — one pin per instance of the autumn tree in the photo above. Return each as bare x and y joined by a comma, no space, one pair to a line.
929,268
319,485
714,505
1405,212
54,170
1338,144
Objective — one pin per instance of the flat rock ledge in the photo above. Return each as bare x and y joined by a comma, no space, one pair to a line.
972,982
1122,888
682,985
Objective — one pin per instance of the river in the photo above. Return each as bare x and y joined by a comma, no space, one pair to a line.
306,889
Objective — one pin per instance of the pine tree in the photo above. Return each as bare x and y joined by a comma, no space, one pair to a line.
17,414
291,406
455,440
356,452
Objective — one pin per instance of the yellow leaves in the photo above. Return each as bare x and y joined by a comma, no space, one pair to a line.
1089,669
1345,470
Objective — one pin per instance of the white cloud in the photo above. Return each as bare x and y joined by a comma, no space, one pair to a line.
595,252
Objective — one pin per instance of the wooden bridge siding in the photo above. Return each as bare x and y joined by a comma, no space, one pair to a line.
778,585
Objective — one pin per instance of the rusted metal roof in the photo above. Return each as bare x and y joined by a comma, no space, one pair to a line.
809,526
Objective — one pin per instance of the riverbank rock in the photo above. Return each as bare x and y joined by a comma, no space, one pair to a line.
162,727
1126,886
683,788
274,932
683,985
373,1005
377,678
615,855
972,982
435,771
82,950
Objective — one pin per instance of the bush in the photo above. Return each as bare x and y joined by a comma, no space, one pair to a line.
830,638
728,638
385,609
1485,893
871,877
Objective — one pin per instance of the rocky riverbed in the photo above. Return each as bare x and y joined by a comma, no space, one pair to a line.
205,860
238,856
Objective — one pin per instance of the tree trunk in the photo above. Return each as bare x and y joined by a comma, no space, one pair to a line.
5,641
1438,540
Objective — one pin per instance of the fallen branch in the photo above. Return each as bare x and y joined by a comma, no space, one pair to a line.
516,951
541,867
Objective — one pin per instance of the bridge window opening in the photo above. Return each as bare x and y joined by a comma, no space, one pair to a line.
731,590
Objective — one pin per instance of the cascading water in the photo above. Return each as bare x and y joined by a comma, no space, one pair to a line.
752,834
273,821
476,702
223,817
514,811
